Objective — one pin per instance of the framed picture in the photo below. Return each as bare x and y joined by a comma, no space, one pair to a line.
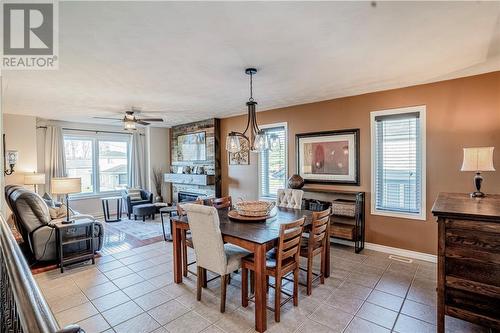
243,156
191,147
329,157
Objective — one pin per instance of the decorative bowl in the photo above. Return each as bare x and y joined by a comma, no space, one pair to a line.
254,208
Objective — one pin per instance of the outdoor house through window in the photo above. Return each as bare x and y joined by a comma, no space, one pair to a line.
398,162
273,163
101,161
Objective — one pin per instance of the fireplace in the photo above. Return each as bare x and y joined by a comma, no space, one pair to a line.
188,196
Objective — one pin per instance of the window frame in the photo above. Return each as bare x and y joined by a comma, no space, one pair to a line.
259,169
421,110
95,138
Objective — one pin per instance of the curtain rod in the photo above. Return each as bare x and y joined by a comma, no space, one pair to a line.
88,130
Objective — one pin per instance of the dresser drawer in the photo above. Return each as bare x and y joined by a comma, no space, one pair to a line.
485,305
473,270
473,239
489,227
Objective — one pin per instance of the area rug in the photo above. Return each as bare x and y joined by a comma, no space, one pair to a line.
139,229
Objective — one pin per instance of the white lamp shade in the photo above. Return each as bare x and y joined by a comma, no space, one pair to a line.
233,144
34,179
66,185
478,159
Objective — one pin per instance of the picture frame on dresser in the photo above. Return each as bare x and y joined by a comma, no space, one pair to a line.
330,157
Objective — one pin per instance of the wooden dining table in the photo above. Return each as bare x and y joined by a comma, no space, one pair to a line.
256,237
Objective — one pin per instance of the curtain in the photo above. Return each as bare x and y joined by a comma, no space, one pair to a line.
138,162
55,162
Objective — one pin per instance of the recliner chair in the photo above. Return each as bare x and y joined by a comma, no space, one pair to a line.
33,221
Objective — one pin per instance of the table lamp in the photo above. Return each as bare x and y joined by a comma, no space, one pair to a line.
66,186
34,179
478,159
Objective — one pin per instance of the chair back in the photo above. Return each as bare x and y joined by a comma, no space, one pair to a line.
180,209
207,237
222,203
289,242
319,226
289,198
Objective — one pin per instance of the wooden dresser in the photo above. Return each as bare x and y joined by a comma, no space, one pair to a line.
468,258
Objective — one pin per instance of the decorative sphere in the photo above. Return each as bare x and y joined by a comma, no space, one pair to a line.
295,182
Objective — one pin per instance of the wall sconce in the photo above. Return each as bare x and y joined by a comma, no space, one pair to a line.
10,157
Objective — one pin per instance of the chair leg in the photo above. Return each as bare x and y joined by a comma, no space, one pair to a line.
223,288
184,254
277,298
244,287
199,282
267,283
296,286
204,276
309,274
323,265
252,282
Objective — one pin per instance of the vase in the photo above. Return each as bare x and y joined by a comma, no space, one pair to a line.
158,198
295,182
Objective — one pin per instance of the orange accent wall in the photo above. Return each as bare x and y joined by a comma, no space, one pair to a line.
461,113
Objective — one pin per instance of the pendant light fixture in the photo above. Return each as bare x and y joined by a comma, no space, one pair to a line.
258,140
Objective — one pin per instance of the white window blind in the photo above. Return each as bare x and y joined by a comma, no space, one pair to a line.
398,183
273,164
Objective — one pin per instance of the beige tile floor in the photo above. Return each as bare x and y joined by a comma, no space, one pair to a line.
133,292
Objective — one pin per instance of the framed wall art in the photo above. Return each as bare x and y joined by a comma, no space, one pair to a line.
329,157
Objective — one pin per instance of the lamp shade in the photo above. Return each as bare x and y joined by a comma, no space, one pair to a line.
66,185
478,159
34,178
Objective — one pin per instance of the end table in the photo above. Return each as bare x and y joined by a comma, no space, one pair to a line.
66,236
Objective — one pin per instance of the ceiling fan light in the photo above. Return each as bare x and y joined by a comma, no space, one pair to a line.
233,143
129,126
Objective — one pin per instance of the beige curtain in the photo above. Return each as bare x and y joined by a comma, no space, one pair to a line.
138,161
55,162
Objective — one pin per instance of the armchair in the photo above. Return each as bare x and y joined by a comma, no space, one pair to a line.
146,197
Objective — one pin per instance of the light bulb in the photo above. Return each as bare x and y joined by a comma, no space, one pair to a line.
129,126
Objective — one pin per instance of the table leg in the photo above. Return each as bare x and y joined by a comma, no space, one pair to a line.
260,288
177,253
163,226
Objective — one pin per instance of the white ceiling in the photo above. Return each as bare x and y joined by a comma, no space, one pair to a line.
187,58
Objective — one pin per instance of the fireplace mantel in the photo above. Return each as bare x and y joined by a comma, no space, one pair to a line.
185,178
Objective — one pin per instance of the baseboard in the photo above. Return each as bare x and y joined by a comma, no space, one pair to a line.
393,250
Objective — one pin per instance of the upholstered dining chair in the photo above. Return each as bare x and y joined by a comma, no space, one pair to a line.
186,240
284,260
289,198
211,252
316,244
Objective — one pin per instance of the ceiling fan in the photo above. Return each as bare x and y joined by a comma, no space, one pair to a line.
130,120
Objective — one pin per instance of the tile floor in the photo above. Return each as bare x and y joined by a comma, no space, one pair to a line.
132,291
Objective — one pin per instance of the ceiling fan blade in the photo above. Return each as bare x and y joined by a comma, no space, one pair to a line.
151,119
107,118
140,122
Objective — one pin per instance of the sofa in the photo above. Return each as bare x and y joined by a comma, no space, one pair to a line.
33,221
146,197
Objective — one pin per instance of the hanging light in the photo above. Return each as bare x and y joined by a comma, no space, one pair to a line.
258,139
129,125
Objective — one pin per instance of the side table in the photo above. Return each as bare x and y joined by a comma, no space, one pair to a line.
65,237
167,210
105,208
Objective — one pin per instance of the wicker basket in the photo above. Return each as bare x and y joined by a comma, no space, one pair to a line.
254,208
344,207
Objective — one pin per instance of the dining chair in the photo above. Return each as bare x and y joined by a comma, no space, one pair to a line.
222,203
289,198
211,252
284,261
186,240
316,244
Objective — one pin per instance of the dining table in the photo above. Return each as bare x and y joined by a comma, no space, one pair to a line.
255,237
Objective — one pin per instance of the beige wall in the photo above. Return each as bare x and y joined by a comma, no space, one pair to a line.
460,113
159,156
20,134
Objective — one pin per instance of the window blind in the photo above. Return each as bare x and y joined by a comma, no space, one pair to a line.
398,162
272,165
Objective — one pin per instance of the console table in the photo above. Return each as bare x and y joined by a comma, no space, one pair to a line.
468,259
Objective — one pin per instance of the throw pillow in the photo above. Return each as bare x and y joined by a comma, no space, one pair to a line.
57,212
134,194
48,200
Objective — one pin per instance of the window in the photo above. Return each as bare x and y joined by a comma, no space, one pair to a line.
102,161
398,162
273,163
